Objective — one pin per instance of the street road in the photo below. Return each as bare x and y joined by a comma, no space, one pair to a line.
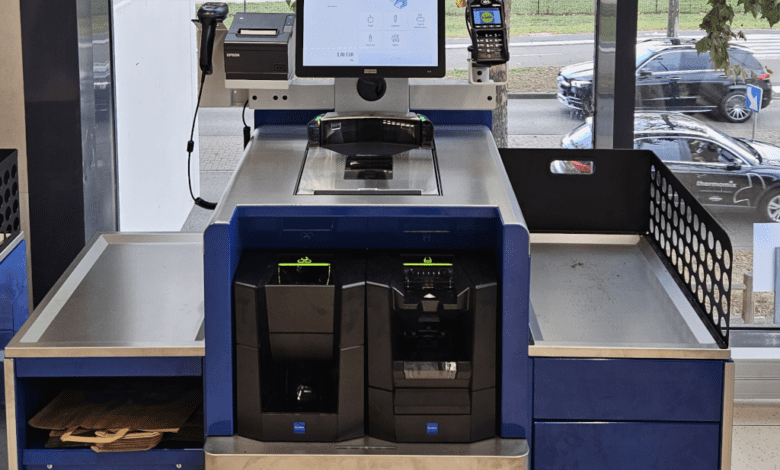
532,51
551,117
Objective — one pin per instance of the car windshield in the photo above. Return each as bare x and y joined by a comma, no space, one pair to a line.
643,52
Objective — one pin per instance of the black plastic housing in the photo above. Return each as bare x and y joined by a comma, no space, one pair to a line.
371,135
299,348
440,323
260,46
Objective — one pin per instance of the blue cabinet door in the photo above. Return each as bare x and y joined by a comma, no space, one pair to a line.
628,390
626,446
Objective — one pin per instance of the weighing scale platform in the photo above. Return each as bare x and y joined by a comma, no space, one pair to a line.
124,295
585,301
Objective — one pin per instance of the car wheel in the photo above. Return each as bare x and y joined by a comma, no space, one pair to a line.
769,209
589,106
733,108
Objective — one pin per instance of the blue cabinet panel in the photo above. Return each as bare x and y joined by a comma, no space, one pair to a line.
628,390
109,367
626,446
13,289
189,459
5,338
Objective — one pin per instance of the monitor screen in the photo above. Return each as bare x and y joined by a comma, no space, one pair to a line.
363,38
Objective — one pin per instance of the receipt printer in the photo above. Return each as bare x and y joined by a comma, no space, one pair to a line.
299,355
260,48
431,322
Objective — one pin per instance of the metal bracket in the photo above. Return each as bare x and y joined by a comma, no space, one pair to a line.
476,74
424,93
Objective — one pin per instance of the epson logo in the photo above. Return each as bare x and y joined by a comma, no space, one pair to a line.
372,71
233,54
299,428
432,428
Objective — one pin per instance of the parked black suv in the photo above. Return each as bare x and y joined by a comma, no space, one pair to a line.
672,76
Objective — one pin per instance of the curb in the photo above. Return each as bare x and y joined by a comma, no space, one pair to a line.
531,96
542,96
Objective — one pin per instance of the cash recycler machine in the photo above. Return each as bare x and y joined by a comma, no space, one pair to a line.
382,287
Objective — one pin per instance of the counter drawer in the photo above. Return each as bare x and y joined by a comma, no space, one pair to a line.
628,390
621,446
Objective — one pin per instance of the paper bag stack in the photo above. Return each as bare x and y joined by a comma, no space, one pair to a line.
120,416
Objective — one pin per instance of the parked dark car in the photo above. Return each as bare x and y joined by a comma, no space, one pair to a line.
717,169
672,76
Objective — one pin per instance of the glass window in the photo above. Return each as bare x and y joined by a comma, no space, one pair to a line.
667,62
703,151
747,60
643,52
665,149
692,60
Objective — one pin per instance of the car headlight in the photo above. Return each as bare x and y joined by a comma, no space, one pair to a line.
580,83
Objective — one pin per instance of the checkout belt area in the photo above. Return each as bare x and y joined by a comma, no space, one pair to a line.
380,286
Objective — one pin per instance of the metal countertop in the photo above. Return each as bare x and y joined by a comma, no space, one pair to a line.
124,295
470,169
610,296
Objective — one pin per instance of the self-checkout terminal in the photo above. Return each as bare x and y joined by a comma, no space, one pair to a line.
367,301
337,339
373,296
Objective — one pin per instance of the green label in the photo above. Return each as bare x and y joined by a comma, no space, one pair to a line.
305,261
428,261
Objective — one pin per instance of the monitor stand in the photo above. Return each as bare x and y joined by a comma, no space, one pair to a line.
410,173
394,100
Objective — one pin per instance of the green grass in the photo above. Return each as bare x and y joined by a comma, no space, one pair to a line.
534,79
567,17
584,7
265,7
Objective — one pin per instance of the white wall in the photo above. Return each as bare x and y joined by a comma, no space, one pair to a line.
156,92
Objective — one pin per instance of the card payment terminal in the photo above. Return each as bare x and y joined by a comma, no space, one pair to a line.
485,21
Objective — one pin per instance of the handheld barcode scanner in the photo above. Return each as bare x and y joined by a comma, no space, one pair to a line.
209,15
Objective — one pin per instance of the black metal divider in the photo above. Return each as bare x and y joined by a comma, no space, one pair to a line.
630,191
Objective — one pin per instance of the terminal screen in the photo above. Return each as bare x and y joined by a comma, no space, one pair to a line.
370,33
487,16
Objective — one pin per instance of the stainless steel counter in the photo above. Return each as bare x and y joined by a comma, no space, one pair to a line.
124,295
238,452
610,296
470,169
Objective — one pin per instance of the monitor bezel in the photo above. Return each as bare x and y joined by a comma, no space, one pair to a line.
364,72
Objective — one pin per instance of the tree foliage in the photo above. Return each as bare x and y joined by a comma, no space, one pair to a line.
717,24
